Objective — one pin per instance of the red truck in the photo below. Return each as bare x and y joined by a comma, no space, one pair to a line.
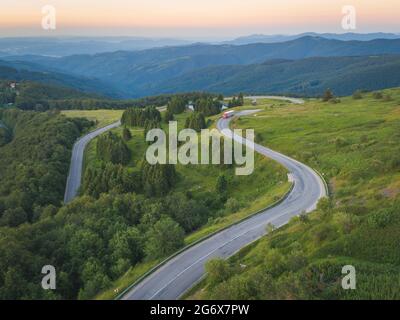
228,114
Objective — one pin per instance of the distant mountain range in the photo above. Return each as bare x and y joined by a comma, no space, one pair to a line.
26,71
66,46
306,66
350,36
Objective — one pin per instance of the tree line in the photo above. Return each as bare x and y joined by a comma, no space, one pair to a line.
137,117
196,121
111,148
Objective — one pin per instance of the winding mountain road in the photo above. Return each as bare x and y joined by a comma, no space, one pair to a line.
181,272
76,165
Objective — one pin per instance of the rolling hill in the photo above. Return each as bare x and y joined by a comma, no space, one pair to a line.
306,77
139,73
349,36
26,71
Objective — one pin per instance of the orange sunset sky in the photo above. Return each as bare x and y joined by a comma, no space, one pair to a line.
190,18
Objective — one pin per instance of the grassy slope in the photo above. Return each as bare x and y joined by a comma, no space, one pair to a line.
102,117
266,185
355,144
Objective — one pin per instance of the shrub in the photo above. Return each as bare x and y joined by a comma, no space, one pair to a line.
164,238
126,134
232,205
222,184
357,95
387,98
218,270
328,95
381,219
377,95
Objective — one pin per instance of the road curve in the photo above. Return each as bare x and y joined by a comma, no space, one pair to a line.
180,273
283,98
75,169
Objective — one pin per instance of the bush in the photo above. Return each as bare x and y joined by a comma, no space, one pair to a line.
340,142
218,270
164,238
382,218
222,184
387,98
5,136
232,205
357,95
328,95
377,95
126,134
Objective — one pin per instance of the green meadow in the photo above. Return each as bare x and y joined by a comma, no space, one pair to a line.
354,143
101,117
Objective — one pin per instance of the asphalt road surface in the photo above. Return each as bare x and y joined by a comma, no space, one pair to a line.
75,169
180,273
283,98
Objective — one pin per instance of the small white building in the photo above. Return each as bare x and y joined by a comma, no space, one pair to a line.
190,107
224,106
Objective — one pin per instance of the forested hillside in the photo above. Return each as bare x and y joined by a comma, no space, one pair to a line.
25,71
305,77
34,162
29,95
129,215
149,72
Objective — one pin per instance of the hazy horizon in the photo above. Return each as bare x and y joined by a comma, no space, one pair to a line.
204,38
225,19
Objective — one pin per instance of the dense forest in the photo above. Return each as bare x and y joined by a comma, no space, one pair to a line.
88,250
34,162
30,95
